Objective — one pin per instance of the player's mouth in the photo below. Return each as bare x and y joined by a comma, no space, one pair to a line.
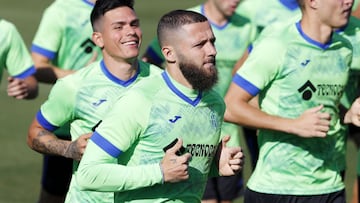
209,63
131,43
347,11
233,8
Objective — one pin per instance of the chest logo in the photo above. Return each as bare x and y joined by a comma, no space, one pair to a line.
307,90
176,118
98,103
88,45
305,63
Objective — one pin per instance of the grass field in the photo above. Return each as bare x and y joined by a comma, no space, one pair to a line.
20,167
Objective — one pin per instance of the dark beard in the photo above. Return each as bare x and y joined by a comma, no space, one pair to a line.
199,78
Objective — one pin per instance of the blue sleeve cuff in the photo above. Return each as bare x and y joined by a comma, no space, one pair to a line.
246,85
104,144
30,71
250,48
45,52
44,123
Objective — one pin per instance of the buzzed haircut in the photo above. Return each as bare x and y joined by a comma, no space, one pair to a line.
176,19
103,6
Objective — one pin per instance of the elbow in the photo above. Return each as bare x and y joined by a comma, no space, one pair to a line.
83,179
228,116
32,135
30,139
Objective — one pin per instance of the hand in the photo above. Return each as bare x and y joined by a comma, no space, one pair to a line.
17,88
231,159
353,114
312,123
174,167
76,148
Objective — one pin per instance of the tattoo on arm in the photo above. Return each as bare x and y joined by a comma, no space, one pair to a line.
47,143
72,151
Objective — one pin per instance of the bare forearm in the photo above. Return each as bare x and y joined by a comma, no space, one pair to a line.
49,74
311,123
47,143
33,88
250,116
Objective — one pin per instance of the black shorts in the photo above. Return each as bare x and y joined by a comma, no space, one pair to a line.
56,174
224,188
256,197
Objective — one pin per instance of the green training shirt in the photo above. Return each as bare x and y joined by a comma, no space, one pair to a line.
124,153
352,33
82,99
64,34
293,73
263,13
14,55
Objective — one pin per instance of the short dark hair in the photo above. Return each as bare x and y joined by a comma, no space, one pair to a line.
103,6
176,19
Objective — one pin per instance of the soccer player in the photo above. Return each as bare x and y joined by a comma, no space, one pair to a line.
351,92
161,139
299,71
62,45
82,98
15,58
234,34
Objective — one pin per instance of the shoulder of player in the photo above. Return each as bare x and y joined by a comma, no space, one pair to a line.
239,20
7,28
61,8
340,40
354,21
277,36
267,44
352,29
213,97
147,85
6,24
82,74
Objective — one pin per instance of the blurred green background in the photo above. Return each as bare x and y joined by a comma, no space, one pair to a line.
20,167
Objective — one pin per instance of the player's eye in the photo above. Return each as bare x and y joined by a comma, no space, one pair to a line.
135,23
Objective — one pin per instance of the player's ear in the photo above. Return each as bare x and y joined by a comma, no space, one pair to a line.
97,39
312,3
169,54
